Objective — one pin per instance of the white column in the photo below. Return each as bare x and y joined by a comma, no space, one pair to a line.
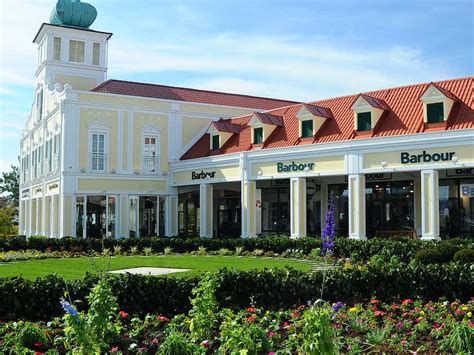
248,196
44,215
324,205
171,226
298,207
429,205
21,216
46,228
54,216
417,205
38,217
29,229
205,210
356,184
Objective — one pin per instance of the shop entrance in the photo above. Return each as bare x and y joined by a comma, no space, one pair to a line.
275,208
456,207
188,212
227,210
389,206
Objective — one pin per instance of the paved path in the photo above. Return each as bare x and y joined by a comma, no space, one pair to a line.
149,271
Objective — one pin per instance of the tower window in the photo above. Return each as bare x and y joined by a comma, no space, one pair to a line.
96,54
435,112
57,48
364,121
215,142
258,135
76,51
306,128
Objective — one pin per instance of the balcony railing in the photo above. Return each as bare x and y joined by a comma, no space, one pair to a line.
150,164
98,162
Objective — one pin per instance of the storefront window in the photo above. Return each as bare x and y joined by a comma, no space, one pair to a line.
162,214
341,208
148,216
228,213
276,208
188,214
313,208
456,207
80,216
133,216
111,216
96,216
389,206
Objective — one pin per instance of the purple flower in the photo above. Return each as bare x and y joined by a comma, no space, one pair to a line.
328,232
69,308
337,306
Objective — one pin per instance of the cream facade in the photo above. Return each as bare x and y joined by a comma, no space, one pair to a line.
98,164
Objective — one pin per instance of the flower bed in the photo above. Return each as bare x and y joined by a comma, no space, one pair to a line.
400,327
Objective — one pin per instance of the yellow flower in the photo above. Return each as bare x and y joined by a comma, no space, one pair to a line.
422,312
464,308
353,309
469,314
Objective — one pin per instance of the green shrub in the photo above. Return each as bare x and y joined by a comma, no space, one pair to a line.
464,256
447,251
274,288
429,256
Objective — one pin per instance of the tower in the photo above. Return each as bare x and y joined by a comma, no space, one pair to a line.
70,52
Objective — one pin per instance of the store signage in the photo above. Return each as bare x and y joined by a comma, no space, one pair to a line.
407,158
375,177
202,175
53,186
458,172
293,167
467,190
25,193
38,190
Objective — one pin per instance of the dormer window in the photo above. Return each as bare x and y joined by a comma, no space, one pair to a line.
306,128
311,119
215,142
437,104
263,125
220,132
364,121
258,135
435,112
367,112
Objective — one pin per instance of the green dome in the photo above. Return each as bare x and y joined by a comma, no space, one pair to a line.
73,13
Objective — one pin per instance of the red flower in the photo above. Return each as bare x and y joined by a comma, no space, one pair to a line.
251,310
123,314
295,314
285,325
154,341
251,318
407,301
301,307
38,353
39,344
374,302
436,326
379,313
271,334
163,319
114,349
394,306
205,343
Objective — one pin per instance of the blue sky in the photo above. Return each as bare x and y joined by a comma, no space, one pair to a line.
300,50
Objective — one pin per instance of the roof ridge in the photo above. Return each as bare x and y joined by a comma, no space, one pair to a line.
390,89
194,89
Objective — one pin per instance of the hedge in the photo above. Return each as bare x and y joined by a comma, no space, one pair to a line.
404,249
276,288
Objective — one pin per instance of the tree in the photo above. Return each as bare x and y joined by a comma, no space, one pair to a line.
10,185
6,221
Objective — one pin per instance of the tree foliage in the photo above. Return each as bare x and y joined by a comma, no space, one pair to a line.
10,186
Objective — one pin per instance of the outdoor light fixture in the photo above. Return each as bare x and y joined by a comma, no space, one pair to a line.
384,164
454,159
306,169
260,173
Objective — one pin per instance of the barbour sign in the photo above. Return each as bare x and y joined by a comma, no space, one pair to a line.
293,167
425,157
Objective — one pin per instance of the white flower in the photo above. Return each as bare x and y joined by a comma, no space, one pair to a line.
132,346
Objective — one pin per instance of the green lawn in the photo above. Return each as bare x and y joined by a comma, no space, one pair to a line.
76,268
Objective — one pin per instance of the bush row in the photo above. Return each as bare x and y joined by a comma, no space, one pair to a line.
271,289
404,249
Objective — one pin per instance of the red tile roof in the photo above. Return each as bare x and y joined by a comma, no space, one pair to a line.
404,117
121,87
